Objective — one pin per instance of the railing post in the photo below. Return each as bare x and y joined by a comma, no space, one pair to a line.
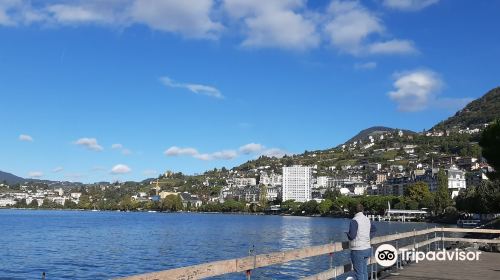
436,243
398,260
331,259
251,252
427,239
442,237
414,239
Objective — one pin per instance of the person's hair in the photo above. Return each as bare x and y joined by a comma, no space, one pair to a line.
359,208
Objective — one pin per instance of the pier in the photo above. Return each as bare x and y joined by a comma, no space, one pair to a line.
427,240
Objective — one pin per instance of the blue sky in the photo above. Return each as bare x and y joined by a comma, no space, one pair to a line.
124,90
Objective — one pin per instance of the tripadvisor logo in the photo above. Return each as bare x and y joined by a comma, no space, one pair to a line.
386,255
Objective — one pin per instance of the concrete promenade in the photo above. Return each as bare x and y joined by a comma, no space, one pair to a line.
488,267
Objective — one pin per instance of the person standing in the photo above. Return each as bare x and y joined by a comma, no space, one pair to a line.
361,230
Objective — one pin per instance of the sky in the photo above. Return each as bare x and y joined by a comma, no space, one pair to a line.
126,89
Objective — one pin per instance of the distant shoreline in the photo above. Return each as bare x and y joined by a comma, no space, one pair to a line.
195,212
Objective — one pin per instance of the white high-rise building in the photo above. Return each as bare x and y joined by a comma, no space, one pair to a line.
297,183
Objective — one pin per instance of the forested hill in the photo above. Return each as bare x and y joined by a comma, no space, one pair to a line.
375,131
10,178
480,111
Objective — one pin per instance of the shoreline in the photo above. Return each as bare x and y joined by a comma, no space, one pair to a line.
207,213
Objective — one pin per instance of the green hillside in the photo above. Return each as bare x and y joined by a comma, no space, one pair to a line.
475,114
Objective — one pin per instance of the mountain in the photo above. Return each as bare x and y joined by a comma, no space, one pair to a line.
478,112
10,178
375,131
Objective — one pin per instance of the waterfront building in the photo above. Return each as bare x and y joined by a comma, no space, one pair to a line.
190,200
322,181
271,180
242,182
164,194
297,183
456,180
7,201
272,193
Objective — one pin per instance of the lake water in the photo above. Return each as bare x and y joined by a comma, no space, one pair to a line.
104,245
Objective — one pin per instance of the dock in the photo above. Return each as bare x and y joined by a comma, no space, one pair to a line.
427,240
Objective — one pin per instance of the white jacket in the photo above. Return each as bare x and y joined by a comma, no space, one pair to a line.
362,240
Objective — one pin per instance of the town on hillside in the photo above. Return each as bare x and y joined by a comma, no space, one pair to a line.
445,171
384,164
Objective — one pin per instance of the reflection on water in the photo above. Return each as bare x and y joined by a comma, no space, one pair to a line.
103,245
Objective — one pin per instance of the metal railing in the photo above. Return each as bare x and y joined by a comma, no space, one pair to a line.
250,263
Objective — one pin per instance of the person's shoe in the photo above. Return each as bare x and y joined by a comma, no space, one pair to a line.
350,278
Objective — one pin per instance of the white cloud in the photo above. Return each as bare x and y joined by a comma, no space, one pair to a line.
35,174
221,155
225,154
274,23
366,65
89,143
58,169
195,88
414,90
392,47
286,24
352,27
26,138
117,146
177,151
275,152
120,169
18,12
251,148
190,18
409,5
78,13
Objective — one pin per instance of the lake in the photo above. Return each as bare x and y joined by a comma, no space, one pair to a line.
103,245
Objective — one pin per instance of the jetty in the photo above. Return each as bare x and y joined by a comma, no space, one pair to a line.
427,240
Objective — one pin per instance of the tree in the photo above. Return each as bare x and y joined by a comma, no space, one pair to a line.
442,197
21,203
33,204
310,207
171,202
290,206
84,202
325,206
490,144
331,194
420,193
263,196
70,204
126,203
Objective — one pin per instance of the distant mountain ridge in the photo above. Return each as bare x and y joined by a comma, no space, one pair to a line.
10,178
375,131
478,112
